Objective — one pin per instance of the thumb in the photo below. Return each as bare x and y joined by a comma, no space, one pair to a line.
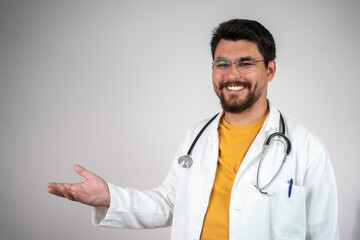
82,171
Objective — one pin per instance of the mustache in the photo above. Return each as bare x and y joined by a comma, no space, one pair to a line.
235,83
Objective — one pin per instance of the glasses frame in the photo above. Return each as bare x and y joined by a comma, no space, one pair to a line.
240,68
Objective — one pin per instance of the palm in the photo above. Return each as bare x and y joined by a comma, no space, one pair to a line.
92,191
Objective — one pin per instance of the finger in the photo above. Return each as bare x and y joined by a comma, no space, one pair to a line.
56,189
68,193
82,171
61,190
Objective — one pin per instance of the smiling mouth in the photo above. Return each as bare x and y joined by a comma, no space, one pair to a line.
235,88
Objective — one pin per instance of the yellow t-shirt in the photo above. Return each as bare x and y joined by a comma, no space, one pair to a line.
234,142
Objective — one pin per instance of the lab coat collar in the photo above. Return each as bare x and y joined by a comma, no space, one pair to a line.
272,122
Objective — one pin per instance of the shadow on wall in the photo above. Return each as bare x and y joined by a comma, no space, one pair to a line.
357,225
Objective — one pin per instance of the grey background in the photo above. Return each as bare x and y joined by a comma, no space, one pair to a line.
114,85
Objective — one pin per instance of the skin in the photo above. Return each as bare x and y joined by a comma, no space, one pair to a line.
259,78
94,191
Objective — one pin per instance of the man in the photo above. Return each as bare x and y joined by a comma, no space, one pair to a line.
231,190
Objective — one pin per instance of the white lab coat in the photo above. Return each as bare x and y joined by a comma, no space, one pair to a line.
182,199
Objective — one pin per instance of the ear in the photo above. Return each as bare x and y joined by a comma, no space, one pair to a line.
271,69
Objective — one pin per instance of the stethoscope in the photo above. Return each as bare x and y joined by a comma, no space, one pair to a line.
186,161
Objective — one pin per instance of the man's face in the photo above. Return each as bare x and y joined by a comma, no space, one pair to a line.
241,90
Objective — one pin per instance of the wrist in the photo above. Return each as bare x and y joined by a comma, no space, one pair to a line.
106,198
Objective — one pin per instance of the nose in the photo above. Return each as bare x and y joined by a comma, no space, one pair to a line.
233,72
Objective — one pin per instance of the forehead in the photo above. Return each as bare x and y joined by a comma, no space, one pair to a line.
236,49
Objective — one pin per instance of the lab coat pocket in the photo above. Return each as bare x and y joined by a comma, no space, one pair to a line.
290,218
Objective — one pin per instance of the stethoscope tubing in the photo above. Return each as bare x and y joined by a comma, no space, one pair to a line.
186,161
267,143
199,134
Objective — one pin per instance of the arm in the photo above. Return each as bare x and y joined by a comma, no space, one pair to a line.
121,207
132,208
126,207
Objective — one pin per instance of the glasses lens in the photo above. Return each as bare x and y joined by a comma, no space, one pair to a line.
221,64
245,66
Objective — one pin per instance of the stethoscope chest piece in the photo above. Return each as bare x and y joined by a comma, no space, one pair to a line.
185,161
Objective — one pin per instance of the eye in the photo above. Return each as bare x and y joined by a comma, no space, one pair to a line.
245,63
222,64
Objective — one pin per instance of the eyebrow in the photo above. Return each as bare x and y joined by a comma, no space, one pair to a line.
247,58
221,59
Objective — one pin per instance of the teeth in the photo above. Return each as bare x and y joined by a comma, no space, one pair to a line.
235,88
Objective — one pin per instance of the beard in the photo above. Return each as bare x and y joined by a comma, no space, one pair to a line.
233,105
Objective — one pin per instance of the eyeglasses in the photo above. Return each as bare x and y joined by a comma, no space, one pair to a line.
243,65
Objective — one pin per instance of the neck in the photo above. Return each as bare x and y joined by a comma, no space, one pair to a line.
251,115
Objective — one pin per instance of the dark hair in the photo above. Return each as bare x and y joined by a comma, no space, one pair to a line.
243,29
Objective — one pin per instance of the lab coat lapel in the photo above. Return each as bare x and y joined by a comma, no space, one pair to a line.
270,125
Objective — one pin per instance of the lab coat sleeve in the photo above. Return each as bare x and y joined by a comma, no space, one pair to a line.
321,197
132,208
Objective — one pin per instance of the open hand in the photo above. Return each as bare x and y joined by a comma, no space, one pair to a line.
92,191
